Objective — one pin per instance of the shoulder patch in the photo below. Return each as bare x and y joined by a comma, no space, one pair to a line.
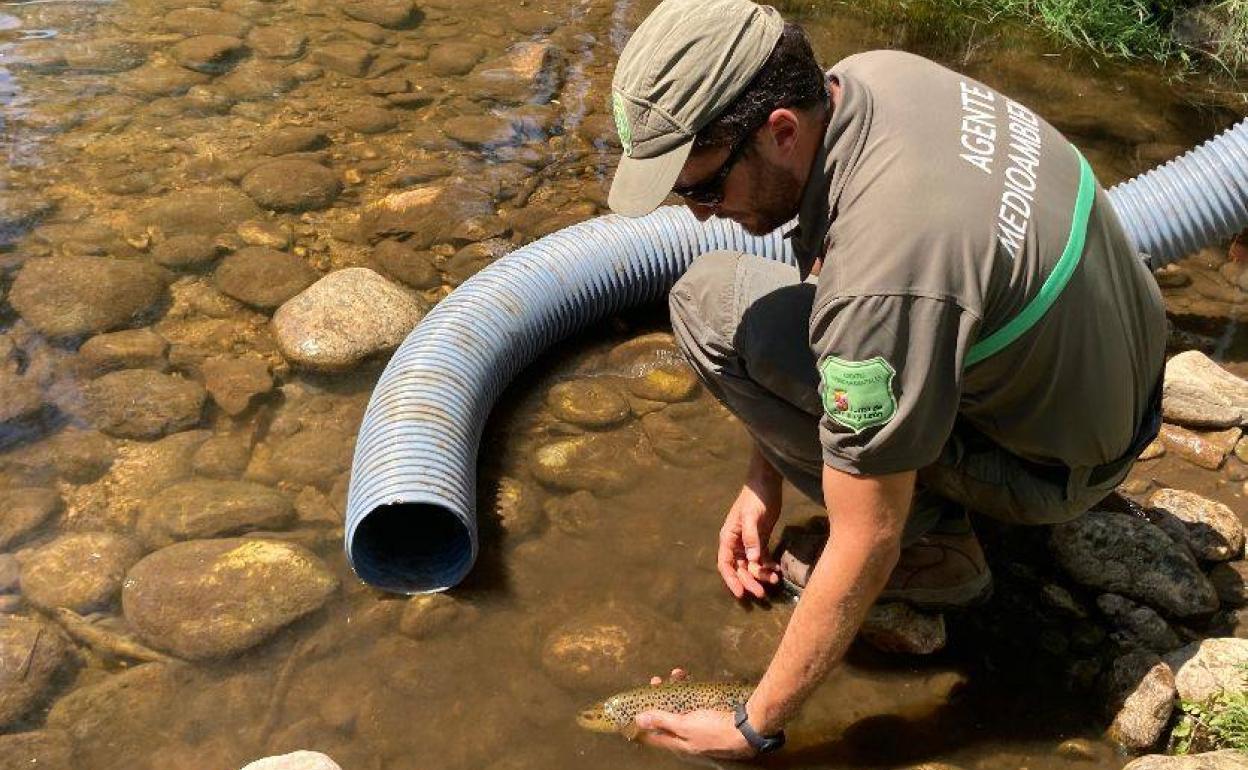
622,126
858,394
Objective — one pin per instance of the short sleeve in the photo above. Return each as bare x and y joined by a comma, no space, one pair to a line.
890,378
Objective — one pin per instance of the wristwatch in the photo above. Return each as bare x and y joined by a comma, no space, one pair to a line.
763,744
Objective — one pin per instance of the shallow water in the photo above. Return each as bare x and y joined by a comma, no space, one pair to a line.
104,137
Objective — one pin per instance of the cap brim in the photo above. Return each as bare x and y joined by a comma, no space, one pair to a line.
641,184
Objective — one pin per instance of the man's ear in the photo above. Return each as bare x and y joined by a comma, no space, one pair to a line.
783,126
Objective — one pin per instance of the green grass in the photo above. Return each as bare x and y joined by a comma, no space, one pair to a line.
1219,723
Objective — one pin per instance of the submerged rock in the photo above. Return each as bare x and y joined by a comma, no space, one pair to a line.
199,212
1199,393
212,54
207,21
292,185
81,571
140,403
344,318
130,349
44,748
529,73
23,511
451,59
71,296
575,514
669,383
204,509
614,642
432,614
31,653
98,714
1119,553
290,139
587,403
474,258
277,42
392,14
605,464
233,381
212,598
263,278
1212,530
402,262
350,59
424,215
518,508
898,628
1207,667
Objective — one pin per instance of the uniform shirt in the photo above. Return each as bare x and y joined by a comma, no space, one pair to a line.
939,207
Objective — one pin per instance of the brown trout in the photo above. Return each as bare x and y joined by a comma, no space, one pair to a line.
616,713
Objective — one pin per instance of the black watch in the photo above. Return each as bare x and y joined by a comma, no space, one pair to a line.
763,744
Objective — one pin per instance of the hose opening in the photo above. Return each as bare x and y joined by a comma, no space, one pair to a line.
403,546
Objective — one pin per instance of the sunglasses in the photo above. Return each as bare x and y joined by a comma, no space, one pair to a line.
710,191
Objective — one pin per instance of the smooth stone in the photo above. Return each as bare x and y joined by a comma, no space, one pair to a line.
369,120
529,73
345,317
587,403
71,296
256,80
574,515
410,266
221,457
131,349
1207,450
350,59
385,86
140,403
81,456
104,56
428,615
311,457
154,80
1199,393
635,357
292,185
81,571
233,381
31,654
518,508
288,139
472,229
391,14
1207,667
277,42
673,442
1230,580
21,397
474,258
669,383
453,59
10,574
1212,530
41,749
296,760
420,215
599,463
201,509
481,131
1226,759
207,21
1138,626
1147,703
596,649
898,628
103,712
270,235
263,278
211,54
1119,553
214,598
1154,450
1079,749
199,212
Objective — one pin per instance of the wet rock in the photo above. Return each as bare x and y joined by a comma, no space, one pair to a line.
410,266
1148,696
1211,529
1119,553
257,80
481,131
199,212
292,185
30,656
369,120
263,278
350,59
104,55
202,509
474,258
270,235
369,33
1079,749
158,79
71,296
1226,759
1199,393
10,574
530,72
1138,626
277,42
518,509
472,229
45,748
344,318
139,403
674,442
1208,450
635,357
600,463
310,457
207,21
898,628
212,54
296,760
290,139
19,213
248,588
80,456
391,14
99,714
596,650
131,349
669,383
575,515
1207,667
1154,450
1230,580
81,571
233,381
419,216
587,403
314,507
433,614
10,604
452,59
221,457
21,397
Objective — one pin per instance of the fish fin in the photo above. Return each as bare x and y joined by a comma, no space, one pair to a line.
630,731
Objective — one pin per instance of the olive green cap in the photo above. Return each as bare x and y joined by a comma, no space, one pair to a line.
682,67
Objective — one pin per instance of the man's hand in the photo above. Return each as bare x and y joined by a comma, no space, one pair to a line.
744,561
703,733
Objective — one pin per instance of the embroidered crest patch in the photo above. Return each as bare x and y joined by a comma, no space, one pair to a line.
622,126
858,394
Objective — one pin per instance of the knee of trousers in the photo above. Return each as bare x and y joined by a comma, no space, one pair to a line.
702,302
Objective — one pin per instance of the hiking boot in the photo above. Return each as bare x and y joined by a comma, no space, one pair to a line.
938,571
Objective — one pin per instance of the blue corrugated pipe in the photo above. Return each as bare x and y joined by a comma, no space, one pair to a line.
411,521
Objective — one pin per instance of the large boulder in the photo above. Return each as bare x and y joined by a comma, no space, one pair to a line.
1212,530
30,655
71,296
140,403
1123,554
1199,393
344,318
1207,667
1226,759
205,508
80,571
214,598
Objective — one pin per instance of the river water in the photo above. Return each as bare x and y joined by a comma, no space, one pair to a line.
116,142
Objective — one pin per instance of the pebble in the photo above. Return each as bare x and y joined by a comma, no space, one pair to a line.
207,21
263,278
233,381
71,296
154,80
587,403
251,588
212,54
350,59
257,80
1212,530
31,654
186,251
391,14
410,266
271,235
481,131
369,120
81,571
344,318
139,403
131,349
205,508
292,185
288,139
1199,393
1207,450
454,59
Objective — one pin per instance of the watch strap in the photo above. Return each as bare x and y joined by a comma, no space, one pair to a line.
763,744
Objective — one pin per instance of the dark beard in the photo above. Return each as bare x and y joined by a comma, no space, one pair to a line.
777,197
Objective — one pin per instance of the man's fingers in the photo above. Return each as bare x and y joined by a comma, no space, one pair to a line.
679,674
751,539
663,721
748,582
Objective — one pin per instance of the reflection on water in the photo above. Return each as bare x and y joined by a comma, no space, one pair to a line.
131,131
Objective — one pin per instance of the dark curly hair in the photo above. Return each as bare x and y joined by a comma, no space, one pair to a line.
791,77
